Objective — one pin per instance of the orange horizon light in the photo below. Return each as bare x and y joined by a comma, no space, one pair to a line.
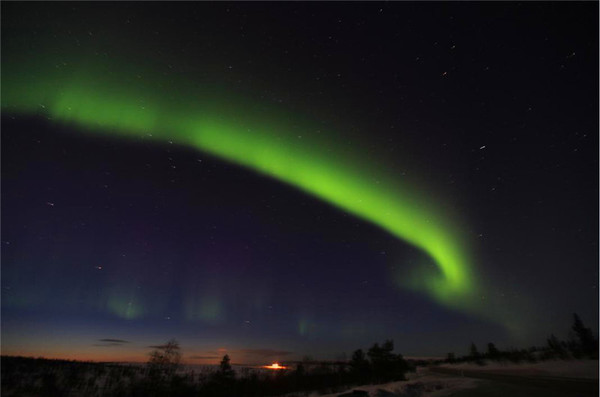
275,366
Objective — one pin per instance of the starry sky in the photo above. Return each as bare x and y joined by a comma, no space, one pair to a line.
276,180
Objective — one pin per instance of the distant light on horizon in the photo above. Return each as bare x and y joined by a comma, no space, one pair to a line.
275,366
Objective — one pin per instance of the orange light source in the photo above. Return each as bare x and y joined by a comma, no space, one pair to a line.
275,366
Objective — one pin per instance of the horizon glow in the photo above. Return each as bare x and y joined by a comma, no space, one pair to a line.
275,366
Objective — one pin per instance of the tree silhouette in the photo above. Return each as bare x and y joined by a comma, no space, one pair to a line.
474,354
223,382
586,341
556,347
386,365
492,352
225,370
359,366
164,360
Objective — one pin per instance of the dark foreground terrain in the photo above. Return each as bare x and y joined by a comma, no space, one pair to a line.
500,385
22,376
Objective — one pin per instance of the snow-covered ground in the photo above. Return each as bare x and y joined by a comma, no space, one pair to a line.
426,384
584,369
422,383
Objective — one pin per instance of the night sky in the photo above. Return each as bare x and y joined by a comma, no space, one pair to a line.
276,180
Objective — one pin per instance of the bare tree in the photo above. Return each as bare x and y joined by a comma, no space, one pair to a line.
164,360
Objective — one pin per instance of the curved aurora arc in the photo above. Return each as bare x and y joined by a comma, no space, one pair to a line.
97,99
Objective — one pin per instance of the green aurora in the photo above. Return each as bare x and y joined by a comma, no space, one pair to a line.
117,99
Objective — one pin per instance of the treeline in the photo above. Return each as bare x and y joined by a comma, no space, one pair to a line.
580,344
25,376
162,376
378,365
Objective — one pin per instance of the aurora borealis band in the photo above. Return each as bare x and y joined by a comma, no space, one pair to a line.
323,170
290,179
